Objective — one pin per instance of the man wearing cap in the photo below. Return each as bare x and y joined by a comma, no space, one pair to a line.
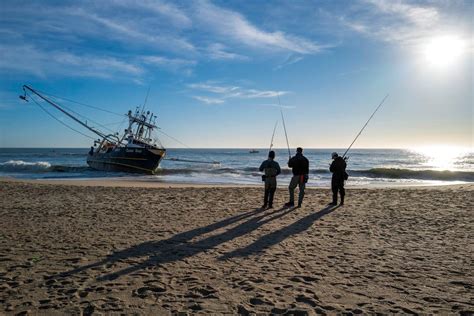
338,169
271,170
300,168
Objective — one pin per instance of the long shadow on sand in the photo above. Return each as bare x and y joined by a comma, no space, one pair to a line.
180,245
278,236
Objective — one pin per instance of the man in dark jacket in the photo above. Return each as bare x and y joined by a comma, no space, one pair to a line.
300,168
271,170
338,169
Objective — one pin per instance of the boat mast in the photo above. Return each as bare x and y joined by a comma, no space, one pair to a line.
25,87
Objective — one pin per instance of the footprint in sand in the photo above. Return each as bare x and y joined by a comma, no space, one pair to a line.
145,291
306,300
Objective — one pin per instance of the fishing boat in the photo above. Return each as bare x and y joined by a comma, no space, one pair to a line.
133,151
253,151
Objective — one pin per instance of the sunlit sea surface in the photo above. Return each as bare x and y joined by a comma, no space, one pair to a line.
239,166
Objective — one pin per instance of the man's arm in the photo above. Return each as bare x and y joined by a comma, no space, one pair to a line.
278,169
306,166
331,168
262,166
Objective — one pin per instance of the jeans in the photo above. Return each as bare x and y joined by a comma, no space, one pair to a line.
296,181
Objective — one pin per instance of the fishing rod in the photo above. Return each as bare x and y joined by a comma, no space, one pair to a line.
195,161
284,127
363,127
273,135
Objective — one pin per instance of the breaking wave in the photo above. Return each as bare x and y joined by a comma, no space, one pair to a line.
394,173
20,166
37,167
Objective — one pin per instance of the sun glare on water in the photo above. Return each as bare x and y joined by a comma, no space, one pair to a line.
442,157
443,51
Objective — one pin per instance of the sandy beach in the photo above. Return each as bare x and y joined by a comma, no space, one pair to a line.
143,249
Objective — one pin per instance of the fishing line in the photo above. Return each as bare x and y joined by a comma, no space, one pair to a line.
284,127
195,161
273,135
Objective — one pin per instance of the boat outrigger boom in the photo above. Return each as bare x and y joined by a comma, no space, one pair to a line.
135,151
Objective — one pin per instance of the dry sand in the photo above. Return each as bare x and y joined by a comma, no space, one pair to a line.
86,249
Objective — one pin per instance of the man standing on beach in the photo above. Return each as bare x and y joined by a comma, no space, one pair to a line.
271,169
338,169
300,168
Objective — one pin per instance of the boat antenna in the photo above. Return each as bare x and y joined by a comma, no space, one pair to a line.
363,127
284,126
273,135
146,99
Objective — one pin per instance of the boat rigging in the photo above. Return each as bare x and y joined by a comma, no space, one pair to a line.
134,151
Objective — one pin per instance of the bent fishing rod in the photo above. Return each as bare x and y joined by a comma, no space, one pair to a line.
284,127
365,125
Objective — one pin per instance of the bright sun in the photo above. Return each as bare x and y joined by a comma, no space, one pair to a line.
443,50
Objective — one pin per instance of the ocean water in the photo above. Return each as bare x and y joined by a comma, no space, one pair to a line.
239,166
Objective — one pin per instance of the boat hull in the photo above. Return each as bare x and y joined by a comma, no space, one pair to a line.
135,160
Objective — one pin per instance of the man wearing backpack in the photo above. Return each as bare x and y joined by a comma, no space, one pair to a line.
338,169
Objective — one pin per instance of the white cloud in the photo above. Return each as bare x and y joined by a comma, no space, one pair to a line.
160,60
232,25
218,51
229,92
290,60
208,100
213,88
395,21
60,63
181,34
123,30
418,15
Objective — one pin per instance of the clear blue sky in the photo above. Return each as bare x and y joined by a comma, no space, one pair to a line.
216,67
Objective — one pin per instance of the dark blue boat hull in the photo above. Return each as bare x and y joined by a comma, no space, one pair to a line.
135,160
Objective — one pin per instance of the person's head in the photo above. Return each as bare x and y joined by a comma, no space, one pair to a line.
334,155
299,150
271,154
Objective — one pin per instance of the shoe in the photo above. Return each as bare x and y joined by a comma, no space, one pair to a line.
264,206
289,204
270,206
332,203
342,203
299,205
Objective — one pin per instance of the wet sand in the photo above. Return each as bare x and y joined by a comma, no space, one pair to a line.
133,249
